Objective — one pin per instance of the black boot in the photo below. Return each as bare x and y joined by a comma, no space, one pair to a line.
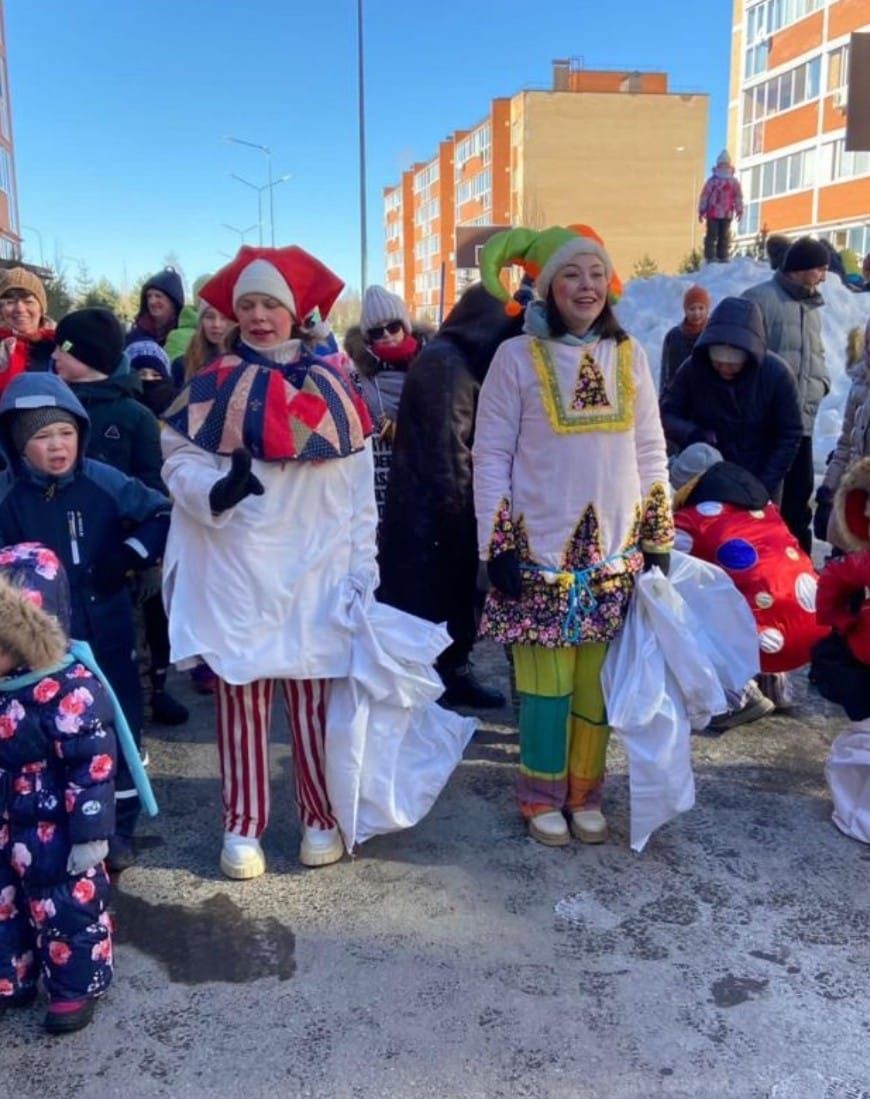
165,710
463,688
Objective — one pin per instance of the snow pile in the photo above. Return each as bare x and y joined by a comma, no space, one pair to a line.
650,307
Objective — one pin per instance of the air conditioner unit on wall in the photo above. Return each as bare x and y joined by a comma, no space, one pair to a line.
841,98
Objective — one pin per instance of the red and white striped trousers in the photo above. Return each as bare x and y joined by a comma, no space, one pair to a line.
244,715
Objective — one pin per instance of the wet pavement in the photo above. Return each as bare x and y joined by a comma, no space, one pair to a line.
461,959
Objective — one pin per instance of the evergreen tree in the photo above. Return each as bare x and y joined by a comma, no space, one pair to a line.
645,268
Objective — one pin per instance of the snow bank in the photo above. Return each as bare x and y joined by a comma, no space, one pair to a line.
650,307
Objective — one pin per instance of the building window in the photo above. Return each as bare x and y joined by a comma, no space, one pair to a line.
478,143
5,171
764,19
839,164
780,93
779,176
425,178
393,201
478,186
838,68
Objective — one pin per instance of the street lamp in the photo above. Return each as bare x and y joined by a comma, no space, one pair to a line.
270,186
242,233
270,183
30,229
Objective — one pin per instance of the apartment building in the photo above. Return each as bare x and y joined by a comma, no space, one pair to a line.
10,239
617,150
787,119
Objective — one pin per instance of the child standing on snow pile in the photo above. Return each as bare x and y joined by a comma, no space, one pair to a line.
721,200
57,799
103,526
681,339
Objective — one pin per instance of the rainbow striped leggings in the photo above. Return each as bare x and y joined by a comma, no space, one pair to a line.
563,727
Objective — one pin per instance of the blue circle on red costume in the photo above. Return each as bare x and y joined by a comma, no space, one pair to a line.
737,555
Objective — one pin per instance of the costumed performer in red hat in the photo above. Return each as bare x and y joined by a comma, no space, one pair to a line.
269,463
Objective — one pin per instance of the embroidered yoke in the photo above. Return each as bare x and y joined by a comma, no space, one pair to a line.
570,472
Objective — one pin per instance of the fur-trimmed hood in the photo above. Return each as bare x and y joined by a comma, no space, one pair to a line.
34,605
850,521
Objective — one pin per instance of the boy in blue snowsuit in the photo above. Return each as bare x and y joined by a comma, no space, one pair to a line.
57,805
101,524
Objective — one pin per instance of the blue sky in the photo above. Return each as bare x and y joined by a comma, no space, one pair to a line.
120,108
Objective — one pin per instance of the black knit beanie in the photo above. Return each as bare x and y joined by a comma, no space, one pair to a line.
94,336
26,423
804,255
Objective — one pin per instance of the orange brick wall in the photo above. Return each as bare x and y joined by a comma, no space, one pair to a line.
791,126
501,159
789,210
833,118
846,16
582,80
448,214
792,41
844,200
408,233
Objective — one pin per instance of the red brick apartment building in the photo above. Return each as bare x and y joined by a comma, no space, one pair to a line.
527,162
787,119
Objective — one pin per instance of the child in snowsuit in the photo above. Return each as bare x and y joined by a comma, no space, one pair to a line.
721,200
101,524
681,339
57,799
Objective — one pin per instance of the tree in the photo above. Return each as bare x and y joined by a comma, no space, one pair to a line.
59,296
645,268
692,262
345,313
84,283
104,295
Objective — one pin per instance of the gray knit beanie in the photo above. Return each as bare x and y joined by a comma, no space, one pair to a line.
692,462
25,424
379,307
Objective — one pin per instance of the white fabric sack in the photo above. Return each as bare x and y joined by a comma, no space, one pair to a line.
646,710
390,748
848,773
677,629
729,634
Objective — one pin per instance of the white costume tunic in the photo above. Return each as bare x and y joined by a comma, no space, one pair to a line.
570,471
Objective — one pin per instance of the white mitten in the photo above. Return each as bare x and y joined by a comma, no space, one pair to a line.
84,856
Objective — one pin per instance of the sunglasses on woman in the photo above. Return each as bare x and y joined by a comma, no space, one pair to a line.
379,330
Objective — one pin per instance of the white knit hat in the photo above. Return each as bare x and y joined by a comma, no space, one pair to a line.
379,307
724,157
262,277
725,353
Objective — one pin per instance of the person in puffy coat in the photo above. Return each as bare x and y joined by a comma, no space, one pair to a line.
736,396
428,540
268,460
103,525
852,444
721,201
57,811
723,514
792,328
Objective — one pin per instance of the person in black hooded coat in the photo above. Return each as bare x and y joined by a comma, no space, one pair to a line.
749,411
428,542
160,303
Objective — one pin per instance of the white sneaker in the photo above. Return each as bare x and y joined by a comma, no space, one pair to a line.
589,826
241,857
320,846
549,829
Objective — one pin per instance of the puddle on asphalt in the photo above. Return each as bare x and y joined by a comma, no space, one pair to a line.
214,941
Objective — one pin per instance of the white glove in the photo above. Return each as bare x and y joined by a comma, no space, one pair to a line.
85,856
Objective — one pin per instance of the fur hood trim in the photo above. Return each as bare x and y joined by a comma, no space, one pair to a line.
850,507
358,351
27,632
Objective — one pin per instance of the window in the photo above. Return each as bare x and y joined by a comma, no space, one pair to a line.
779,176
393,201
780,93
838,68
765,19
5,171
477,143
476,187
425,178
839,164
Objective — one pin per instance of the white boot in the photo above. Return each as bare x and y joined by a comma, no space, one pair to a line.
589,826
549,829
241,857
320,846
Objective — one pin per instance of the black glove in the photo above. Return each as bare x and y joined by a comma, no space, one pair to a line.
504,574
109,574
232,488
663,560
824,507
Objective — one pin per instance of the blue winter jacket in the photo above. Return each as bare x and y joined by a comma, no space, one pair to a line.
86,516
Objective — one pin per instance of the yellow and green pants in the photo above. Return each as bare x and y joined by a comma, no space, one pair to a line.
563,727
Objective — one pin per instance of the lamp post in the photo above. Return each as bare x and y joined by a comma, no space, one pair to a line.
270,183
270,186
361,105
31,229
242,233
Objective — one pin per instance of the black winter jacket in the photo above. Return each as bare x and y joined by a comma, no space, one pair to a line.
754,419
428,543
677,347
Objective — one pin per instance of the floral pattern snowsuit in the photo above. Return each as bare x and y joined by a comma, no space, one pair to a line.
57,768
